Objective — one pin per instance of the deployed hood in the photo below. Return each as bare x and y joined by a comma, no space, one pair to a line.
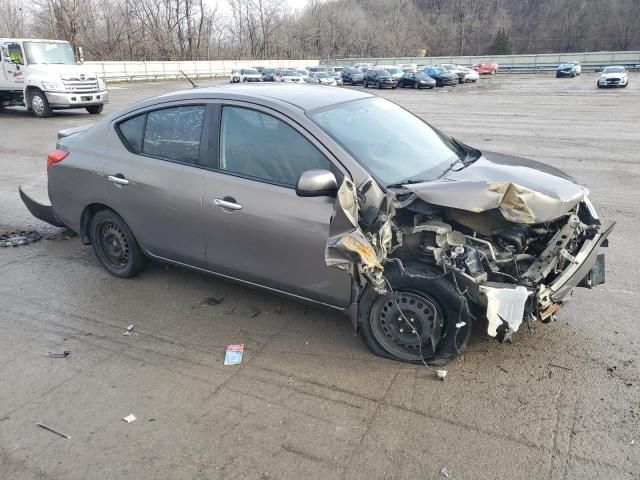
524,191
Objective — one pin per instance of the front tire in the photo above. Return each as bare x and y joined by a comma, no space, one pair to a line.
426,310
114,245
40,105
365,84
95,109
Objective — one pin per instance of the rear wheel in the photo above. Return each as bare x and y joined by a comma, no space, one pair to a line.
423,319
95,109
365,84
115,246
415,85
40,105
378,84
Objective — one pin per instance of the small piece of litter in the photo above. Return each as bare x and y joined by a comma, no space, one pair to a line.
58,354
441,374
131,327
460,324
63,435
633,442
126,333
253,311
233,356
130,418
444,472
213,301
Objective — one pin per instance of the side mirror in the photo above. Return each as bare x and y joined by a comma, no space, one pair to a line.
80,55
317,183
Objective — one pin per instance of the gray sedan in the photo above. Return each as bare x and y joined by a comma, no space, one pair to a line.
335,197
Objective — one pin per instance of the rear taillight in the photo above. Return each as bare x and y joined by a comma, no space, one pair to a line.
56,157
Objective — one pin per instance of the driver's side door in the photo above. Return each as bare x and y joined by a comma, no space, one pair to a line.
257,228
12,65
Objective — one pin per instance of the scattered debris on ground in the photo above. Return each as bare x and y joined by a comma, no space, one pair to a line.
252,311
441,374
63,435
59,354
16,239
126,333
64,234
213,301
561,366
131,327
444,472
233,355
130,418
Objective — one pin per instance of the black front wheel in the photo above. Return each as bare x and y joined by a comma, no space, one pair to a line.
423,319
115,246
95,109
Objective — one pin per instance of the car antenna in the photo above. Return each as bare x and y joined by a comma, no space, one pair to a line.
189,80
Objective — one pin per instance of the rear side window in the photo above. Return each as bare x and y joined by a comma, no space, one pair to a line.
170,133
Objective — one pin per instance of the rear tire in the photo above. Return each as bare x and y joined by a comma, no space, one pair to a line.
114,245
95,109
40,105
427,299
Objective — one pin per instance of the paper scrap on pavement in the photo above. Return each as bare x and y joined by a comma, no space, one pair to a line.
234,354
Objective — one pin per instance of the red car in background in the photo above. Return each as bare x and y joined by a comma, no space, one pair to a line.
489,68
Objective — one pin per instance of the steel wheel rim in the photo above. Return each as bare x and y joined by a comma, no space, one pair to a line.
113,245
37,104
391,330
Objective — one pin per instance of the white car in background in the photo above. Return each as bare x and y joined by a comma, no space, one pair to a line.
470,75
250,75
234,77
615,76
321,78
289,76
304,72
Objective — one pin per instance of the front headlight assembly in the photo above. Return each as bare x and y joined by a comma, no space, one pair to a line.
52,86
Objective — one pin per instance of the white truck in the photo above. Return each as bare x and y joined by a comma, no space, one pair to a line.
43,75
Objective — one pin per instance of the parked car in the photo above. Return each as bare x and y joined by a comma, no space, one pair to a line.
250,75
568,69
268,75
303,72
302,191
615,76
486,68
234,76
416,80
260,69
395,72
454,69
289,76
470,75
379,78
321,78
442,76
352,76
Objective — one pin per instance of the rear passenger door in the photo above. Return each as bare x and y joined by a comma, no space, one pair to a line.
257,228
155,179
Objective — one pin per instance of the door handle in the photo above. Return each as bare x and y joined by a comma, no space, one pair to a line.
118,179
227,203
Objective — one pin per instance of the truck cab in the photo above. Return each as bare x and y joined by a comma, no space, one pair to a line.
43,75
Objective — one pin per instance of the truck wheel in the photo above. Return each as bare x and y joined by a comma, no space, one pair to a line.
114,245
423,319
40,105
95,109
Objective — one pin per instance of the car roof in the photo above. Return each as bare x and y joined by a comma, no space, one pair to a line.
305,97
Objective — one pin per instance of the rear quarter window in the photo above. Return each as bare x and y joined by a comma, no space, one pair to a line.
131,132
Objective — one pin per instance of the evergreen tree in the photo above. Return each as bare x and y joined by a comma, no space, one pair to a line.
501,43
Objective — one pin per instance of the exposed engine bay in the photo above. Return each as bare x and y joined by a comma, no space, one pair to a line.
515,253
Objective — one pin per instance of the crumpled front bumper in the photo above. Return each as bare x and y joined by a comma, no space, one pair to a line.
43,212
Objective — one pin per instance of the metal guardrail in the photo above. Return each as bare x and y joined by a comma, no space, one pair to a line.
132,71
514,63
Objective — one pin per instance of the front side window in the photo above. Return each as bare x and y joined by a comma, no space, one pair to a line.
15,53
170,133
260,146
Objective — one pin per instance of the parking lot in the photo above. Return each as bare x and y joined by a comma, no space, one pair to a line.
309,401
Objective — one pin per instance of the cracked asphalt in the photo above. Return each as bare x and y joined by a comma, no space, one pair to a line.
308,400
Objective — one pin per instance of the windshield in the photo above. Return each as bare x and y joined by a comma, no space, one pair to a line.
613,70
251,71
322,75
383,73
437,71
355,70
290,73
393,70
268,71
393,144
48,53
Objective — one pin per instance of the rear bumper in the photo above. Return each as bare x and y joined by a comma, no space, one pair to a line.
76,99
43,212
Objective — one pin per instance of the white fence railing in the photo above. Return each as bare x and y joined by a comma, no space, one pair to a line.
131,71
515,62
